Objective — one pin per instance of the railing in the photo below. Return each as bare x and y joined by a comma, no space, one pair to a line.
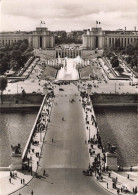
32,131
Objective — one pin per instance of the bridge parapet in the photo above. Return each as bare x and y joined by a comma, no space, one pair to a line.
32,131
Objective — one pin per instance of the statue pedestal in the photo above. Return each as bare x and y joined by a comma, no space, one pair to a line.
45,91
111,161
16,162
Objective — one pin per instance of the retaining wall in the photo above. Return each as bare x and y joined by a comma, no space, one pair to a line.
28,98
114,99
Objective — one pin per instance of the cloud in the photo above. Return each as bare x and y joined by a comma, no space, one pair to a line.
72,12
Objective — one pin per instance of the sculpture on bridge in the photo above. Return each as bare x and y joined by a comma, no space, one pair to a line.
111,148
16,149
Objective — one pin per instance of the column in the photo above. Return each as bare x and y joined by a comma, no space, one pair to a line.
107,41
44,42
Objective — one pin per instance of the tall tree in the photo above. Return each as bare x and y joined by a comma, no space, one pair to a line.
3,85
115,61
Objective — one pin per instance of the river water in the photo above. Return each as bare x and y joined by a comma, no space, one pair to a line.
15,128
118,125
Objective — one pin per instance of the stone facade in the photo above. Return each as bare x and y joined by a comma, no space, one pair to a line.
95,38
41,38
99,39
70,53
10,38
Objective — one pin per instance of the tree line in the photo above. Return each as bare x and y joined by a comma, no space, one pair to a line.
129,54
15,56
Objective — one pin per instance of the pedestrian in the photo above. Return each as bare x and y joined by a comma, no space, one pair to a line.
10,179
107,185
52,139
118,191
128,176
44,173
21,181
10,174
32,192
113,186
136,190
37,163
133,191
85,141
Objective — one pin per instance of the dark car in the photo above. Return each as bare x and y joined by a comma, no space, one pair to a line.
50,88
60,89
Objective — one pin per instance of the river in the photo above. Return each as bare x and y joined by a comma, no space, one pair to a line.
15,128
118,125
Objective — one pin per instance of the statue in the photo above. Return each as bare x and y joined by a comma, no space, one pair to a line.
111,148
16,149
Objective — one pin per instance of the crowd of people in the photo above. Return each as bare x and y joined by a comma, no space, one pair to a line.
31,160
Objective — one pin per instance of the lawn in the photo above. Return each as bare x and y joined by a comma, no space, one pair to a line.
49,73
86,72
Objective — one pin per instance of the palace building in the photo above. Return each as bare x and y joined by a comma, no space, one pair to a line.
41,38
93,39
98,39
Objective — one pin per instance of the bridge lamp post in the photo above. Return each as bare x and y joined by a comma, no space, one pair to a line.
89,134
115,88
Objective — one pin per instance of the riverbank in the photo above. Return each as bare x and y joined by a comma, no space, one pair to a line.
21,101
18,107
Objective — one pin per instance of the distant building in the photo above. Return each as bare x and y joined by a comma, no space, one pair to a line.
97,38
41,38
92,39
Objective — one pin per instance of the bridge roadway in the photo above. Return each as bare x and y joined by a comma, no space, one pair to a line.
66,157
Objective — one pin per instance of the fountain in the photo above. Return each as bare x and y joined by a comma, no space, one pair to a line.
69,71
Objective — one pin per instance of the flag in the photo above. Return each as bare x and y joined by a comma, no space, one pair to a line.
42,22
97,22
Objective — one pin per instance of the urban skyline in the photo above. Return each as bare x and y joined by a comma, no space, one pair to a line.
68,15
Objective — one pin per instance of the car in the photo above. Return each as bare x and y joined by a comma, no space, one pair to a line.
60,89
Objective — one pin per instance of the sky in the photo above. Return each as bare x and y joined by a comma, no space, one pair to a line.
25,15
